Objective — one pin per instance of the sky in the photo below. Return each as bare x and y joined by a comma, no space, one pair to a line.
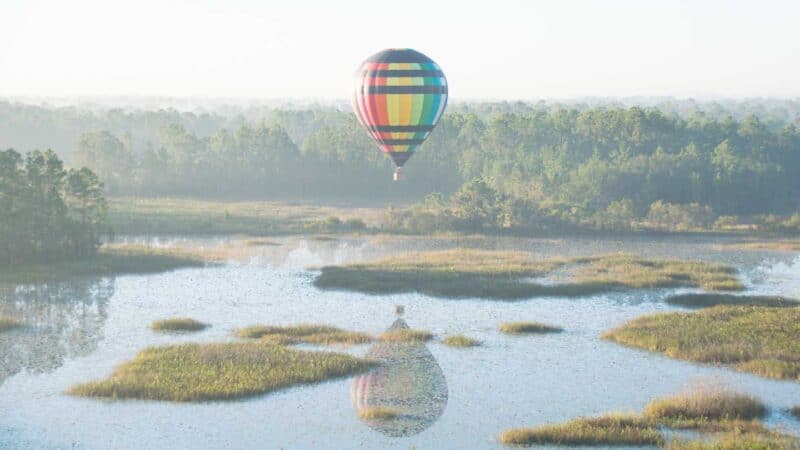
491,50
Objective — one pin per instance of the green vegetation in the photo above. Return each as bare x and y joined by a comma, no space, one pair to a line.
761,340
465,273
198,372
378,413
130,215
605,430
724,414
459,340
708,300
406,335
528,328
178,324
8,323
305,333
739,441
48,213
108,261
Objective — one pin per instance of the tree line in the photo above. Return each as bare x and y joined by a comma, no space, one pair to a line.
48,212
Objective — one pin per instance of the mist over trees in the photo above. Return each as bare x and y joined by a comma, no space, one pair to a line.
600,164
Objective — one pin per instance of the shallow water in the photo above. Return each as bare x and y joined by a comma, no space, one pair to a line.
80,330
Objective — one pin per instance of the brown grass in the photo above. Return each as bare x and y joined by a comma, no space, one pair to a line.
178,324
305,333
406,335
528,328
459,340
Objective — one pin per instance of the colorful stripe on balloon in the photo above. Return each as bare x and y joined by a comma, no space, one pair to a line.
399,97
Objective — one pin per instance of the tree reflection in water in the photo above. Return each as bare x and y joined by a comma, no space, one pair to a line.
409,381
61,321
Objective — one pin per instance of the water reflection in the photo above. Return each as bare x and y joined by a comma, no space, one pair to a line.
408,380
61,321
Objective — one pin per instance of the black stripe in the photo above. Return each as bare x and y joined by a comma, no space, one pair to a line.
407,89
400,158
401,128
401,73
402,141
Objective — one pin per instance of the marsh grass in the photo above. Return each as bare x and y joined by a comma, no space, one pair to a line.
761,340
459,340
778,245
467,273
406,335
378,413
718,413
303,333
8,323
528,328
708,300
132,215
261,243
739,441
113,260
200,372
178,324
613,430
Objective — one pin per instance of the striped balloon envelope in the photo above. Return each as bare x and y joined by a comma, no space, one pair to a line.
399,97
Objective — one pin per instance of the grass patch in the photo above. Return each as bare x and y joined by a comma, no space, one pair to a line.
378,413
261,243
739,441
114,260
406,335
465,273
178,324
459,340
8,323
795,411
778,245
199,372
303,333
708,405
616,430
528,328
132,215
708,300
764,341
723,416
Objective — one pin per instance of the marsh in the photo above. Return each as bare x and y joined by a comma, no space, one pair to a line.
82,329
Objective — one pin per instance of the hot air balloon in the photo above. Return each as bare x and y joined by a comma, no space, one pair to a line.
408,380
400,94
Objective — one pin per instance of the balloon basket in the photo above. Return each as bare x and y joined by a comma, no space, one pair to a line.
398,174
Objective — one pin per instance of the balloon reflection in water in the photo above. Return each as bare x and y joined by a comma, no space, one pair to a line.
408,381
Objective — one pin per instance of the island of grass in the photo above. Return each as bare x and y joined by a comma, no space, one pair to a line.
8,323
110,260
459,340
723,416
200,372
706,300
406,335
760,340
506,275
178,324
528,328
795,411
303,333
378,413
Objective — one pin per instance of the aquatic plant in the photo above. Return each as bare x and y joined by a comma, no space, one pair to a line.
724,415
613,429
406,335
760,340
178,324
528,328
706,300
198,372
378,413
305,333
459,340
468,273
114,260
8,323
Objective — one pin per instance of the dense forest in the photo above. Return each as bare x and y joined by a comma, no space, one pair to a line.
48,212
596,165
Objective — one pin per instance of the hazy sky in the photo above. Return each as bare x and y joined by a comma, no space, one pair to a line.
498,49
